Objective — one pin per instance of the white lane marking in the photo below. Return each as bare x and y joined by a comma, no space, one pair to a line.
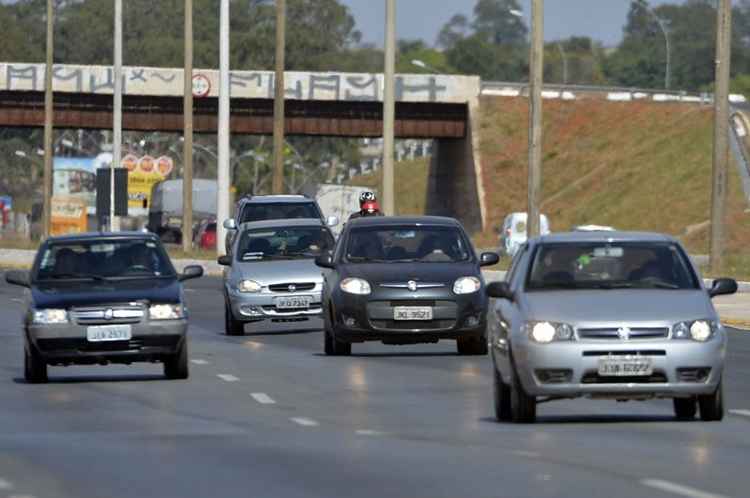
263,398
16,300
305,422
527,454
21,496
5,484
369,432
678,489
741,413
199,362
228,378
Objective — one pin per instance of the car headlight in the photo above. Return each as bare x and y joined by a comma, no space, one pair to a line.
467,285
546,332
356,286
50,316
250,286
698,330
166,312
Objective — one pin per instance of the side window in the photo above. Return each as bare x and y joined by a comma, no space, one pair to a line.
510,277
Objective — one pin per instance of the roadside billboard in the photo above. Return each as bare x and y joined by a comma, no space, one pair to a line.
69,215
144,173
75,178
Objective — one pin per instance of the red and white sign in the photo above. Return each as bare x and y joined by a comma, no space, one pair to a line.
164,166
201,86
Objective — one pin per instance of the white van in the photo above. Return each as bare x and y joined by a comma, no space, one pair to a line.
513,232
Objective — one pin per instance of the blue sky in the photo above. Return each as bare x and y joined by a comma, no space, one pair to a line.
602,20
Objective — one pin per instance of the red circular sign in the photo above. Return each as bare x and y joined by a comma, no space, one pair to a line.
201,86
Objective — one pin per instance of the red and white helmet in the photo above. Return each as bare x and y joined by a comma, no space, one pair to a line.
366,197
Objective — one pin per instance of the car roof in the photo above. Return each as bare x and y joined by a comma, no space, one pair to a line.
89,236
275,199
403,220
294,222
603,237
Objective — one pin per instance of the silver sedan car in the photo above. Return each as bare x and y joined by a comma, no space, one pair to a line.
606,315
271,273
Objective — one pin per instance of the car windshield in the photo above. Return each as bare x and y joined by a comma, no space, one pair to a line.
418,244
610,266
279,211
103,259
284,243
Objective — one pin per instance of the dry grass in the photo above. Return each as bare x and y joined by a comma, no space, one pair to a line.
411,185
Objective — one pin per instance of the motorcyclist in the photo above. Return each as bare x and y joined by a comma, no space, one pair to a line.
368,206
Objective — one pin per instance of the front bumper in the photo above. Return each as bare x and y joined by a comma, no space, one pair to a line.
64,344
262,306
680,368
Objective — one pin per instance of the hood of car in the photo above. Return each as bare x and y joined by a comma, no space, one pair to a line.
66,294
618,305
378,273
278,272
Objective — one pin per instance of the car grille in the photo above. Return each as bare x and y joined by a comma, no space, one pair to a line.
82,345
292,287
107,315
413,325
624,334
697,375
593,377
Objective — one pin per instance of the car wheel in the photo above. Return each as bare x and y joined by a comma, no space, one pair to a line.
176,366
34,367
502,397
522,405
712,405
472,346
232,326
685,408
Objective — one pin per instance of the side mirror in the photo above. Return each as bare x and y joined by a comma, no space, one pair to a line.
191,272
20,278
489,259
225,260
230,224
325,260
723,287
500,290
332,221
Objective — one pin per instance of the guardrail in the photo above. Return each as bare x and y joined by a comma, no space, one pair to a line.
613,93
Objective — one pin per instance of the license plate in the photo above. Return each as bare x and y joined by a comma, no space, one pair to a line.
293,302
412,313
106,333
625,367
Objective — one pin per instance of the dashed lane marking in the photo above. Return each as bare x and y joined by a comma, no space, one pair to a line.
263,398
228,378
5,484
741,413
199,362
678,489
527,454
305,422
21,496
16,300
369,432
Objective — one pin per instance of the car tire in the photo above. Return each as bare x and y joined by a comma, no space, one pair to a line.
34,367
501,392
685,408
522,405
231,326
712,405
332,347
471,346
176,366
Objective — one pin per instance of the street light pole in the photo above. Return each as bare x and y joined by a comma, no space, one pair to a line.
222,205
564,62
187,154
721,134
279,95
114,223
389,110
667,43
48,130
536,79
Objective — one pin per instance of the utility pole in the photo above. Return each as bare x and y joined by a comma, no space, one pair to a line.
721,133
222,205
187,153
279,96
389,110
114,222
48,115
536,78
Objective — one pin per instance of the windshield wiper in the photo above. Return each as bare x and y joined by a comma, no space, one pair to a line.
613,285
90,276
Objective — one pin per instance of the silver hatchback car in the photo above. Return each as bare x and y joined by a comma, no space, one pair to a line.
271,273
609,315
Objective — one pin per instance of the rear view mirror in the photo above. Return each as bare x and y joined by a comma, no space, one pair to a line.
16,277
332,221
230,224
191,272
723,287
500,290
489,259
225,260
325,260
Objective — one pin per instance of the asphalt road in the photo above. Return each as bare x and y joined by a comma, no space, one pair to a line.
268,415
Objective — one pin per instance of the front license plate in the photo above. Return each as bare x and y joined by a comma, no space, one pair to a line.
625,367
106,333
293,302
412,313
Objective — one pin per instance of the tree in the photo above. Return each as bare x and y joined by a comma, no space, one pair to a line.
453,31
494,21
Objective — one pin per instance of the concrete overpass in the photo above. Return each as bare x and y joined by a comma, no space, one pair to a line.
440,107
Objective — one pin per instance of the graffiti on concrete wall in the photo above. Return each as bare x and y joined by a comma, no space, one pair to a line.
244,84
